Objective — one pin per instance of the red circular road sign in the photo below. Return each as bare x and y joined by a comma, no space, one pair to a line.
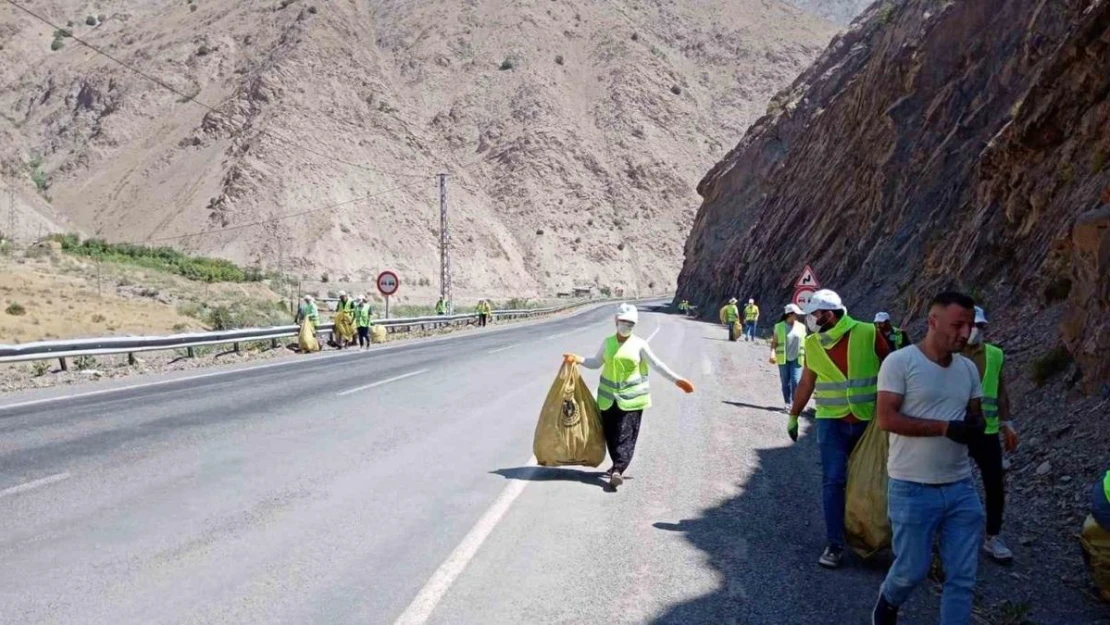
802,295
388,283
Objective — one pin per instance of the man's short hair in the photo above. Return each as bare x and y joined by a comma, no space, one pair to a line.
948,298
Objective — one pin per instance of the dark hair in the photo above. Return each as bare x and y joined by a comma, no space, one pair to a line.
949,298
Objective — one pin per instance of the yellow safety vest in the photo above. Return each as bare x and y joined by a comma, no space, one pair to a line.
730,313
897,338
1106,485
751,312
992,373
624,376
836,395
780,345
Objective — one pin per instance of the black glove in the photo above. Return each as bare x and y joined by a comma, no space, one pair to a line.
964,432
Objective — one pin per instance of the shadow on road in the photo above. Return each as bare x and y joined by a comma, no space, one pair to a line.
777,409
553,474
764,543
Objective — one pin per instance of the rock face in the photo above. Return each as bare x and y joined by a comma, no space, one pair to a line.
572,132
836,11
933,145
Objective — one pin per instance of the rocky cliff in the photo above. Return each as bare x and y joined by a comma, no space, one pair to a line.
837,11
573,131
933,144
951,144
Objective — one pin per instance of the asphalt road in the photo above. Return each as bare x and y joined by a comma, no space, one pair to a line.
394,486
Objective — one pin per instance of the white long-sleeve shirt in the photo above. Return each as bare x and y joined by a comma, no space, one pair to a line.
598,360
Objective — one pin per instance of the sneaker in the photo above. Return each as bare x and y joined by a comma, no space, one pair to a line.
884,613
830,558
997,550
615,479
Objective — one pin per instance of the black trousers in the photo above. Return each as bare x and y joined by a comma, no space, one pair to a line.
482,319
621,431
987,454
364,336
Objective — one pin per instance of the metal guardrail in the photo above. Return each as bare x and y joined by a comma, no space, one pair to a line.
45,350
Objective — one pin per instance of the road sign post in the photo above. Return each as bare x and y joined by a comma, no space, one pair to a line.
802,295
388,283
805,287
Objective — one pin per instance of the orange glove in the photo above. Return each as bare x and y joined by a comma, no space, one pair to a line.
685,385
572,359
772,360
1009,437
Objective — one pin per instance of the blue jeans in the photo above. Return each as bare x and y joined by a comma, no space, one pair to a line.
789,375
749,330
918,512
1100,507
836,438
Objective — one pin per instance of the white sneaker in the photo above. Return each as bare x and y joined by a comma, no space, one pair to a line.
997,549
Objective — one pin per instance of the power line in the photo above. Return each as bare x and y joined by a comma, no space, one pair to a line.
188,98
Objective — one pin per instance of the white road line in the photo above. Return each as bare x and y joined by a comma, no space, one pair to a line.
381,382
433,592
707,366
653,334
22,488
560,335
501,349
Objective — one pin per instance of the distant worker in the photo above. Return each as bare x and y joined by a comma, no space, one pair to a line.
308,311
441,307
623,392
751,320
896,337
363,312
730,316
842,365
1095,536
1100,502
788,352
345,303
485,311
986,451
307,318
930,401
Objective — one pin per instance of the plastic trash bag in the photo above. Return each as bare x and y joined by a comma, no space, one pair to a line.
1096,552
866,522
307,338
734,331
569,430
378,334
344,328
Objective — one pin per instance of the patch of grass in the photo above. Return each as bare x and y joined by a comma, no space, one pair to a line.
886,13
16,309
506,65
1052,363
40,368
1010,613
84,363
239,315
167,259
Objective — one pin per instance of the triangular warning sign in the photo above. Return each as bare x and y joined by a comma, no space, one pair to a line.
808,278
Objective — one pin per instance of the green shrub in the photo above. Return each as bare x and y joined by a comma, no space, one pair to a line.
1052,363
16,309
90,20
199,268
506,65
40,368
84,363
558,59
675,89
56,45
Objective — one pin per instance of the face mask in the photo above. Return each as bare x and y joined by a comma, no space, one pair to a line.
624,329
811,323
975,338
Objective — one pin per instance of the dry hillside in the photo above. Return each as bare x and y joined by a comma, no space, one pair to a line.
573,130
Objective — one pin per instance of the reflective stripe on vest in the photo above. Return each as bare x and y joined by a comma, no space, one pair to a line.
751,312
624,376
992,373
836,395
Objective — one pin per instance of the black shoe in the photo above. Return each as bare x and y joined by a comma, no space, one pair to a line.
830,558
884,613
615,480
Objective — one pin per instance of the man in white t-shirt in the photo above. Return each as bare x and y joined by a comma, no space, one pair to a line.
929,401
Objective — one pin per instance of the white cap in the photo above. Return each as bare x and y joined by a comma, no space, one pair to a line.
342,294
751,301
732,300
628,312
792,309
980,316
824,300
881,317
308,298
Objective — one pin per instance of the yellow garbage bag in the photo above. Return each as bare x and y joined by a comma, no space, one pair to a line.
307,339
866,523
378,334
1096,551
569,430
344,328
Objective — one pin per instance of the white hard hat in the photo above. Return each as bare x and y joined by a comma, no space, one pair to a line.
751,300
628,312
882,317
342,294
824,299
792,309
980,316
732,300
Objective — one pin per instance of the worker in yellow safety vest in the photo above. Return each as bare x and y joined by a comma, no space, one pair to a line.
986,450
730,316
345,304
363,313
441,306
788,351
842,372
308,311
623,392
1100,502
485,311
751,320
896,337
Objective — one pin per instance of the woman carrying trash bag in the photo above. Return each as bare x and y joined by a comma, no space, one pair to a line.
623,392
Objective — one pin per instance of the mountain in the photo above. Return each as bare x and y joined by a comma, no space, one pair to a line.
837,11
572,132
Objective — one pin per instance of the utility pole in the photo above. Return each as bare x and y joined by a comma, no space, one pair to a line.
11,216
444,247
